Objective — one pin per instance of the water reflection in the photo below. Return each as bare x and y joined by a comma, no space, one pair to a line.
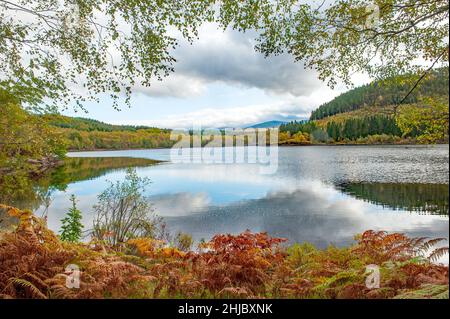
422,198
180,204
35,192
319,194
320,215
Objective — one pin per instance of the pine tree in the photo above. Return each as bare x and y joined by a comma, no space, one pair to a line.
71,228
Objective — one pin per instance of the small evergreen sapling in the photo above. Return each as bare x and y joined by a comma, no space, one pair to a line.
71,228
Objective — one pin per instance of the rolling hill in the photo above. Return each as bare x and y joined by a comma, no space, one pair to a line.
86,124
81,134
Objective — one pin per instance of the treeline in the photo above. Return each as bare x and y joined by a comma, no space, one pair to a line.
385,93
354,128
87,134
92,140
343,130
298,126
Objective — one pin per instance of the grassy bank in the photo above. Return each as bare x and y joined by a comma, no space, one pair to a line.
34,260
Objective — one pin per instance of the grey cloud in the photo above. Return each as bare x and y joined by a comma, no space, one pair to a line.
230,57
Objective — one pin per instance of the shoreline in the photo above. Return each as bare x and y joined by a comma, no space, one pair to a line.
280,145
358,144
115,149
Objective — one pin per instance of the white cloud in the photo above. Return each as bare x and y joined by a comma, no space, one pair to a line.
286,108
229,57
230,117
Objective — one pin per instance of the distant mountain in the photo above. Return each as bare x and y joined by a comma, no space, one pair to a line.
268,124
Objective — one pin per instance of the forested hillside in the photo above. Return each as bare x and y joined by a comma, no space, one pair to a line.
372,114
88,134
86,124
382,94
346,128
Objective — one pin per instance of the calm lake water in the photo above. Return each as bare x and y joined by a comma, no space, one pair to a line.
321,194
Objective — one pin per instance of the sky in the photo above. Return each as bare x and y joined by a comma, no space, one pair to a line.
221,81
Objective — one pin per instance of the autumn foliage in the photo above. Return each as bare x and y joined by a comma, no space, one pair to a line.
33,264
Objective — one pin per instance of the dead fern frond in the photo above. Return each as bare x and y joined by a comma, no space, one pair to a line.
247,265
438,253
29,286
235,292
430,244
